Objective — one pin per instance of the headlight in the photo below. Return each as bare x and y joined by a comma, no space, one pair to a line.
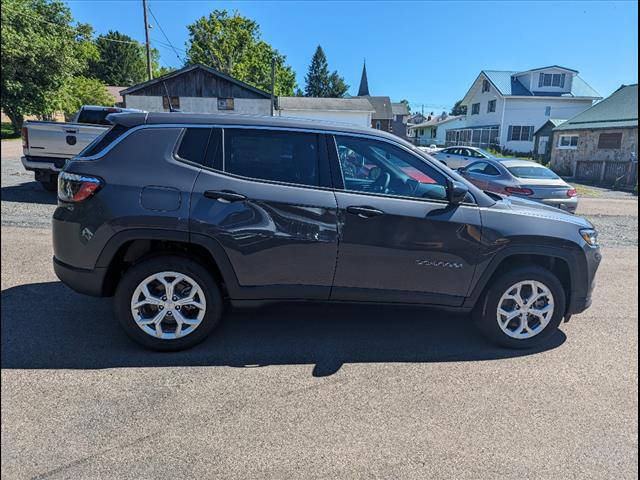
590,236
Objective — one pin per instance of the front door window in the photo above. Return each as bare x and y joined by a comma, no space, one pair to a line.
378,167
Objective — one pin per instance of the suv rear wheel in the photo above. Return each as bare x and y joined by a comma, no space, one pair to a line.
168,303
523,308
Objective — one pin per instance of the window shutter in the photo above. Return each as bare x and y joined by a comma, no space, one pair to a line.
540,79
562,80
510,132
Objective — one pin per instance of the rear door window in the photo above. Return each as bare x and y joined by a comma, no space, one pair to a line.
193,145
278,156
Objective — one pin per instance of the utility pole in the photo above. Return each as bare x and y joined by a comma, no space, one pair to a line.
273,82
146,36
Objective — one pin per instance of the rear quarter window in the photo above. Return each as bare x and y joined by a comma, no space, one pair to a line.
202,146
103,141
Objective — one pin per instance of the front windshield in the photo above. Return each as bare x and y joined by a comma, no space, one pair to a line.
533,172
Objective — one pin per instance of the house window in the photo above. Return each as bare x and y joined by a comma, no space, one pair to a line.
225,104
378,125
547,111
609,140
475,109
485,86
551,80
520,133
568,141
434,132
491,106
175,103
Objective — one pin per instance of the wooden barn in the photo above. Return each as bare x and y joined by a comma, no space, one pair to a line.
198,89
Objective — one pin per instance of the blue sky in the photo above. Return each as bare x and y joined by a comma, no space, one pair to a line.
426,52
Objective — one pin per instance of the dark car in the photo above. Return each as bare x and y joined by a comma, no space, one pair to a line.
178,215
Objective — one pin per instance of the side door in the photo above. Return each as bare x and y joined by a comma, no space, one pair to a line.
400,239
265,196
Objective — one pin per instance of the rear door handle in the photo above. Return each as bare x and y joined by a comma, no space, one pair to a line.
365,212
225,196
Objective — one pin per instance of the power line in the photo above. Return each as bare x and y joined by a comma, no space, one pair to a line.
165,35
68,27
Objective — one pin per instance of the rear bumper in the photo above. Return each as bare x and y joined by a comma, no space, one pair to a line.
566,204
54,165
88,282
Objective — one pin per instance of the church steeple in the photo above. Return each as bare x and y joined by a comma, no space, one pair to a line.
364,84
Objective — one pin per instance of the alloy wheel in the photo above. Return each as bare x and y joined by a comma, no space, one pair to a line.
525,309
168,305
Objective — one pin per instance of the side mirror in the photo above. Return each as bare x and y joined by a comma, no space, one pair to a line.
374,173
456,192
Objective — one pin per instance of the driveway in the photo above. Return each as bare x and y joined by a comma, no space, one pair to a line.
310,391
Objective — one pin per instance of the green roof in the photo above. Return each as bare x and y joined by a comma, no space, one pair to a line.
620,110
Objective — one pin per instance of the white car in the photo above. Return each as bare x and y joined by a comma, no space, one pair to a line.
456,157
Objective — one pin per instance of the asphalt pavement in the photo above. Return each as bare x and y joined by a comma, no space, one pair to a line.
310,390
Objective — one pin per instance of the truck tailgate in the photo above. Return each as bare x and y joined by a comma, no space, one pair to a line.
60,140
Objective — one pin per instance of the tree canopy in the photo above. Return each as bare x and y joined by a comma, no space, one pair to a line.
41,51
231,44
321,83
458,109
121,60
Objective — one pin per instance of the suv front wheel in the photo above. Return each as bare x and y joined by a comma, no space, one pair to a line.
523,308
168,303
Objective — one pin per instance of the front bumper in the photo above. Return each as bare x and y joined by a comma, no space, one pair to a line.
581,296
88,282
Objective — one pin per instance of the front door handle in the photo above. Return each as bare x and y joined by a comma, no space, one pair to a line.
225,196
365,212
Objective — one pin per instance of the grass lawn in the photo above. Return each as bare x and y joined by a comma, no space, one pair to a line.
7,131
585,191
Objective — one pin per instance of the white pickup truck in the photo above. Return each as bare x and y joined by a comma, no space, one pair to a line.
48,145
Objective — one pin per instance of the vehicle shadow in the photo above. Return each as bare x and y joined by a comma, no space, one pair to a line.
46,325
29,192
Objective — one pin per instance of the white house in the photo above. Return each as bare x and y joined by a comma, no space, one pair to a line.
355,111
433,131
504,108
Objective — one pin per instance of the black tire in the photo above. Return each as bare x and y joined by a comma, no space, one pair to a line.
485,313
50,185
174,263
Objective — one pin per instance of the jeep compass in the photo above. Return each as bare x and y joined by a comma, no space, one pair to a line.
178,215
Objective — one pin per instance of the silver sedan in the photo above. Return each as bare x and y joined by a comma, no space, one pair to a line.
522,178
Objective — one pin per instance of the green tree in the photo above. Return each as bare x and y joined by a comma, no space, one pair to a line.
78,91
406,102
337,86
121,60
321,83
231,44
458,109
317,79
40,52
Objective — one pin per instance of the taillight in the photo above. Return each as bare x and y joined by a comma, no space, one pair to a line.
25,137
572,192
518,191
76,188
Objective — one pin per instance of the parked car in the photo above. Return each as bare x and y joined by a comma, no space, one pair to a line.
179,214
522,178
47,145
456,157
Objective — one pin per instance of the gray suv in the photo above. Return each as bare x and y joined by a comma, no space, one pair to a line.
178,215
